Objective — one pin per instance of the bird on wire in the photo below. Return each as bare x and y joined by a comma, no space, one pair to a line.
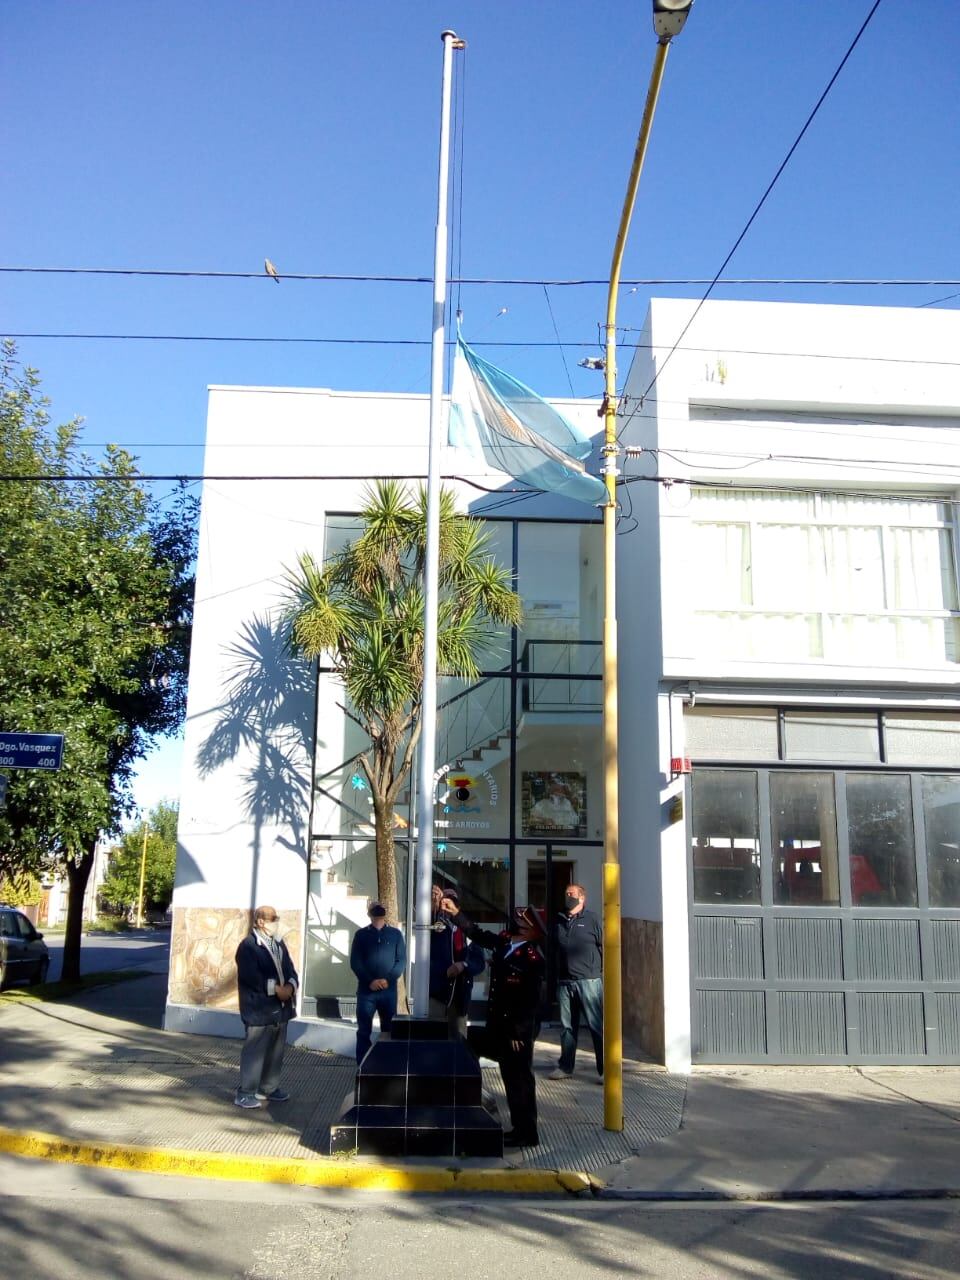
271,270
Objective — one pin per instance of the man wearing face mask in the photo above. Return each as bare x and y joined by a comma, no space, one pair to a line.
578,939
377,956
267,985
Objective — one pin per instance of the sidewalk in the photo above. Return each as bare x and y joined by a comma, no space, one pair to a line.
78,1083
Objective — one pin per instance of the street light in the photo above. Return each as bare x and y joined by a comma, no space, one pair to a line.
668,19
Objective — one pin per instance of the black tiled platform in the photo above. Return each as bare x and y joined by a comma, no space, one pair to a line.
417,1131
418,1097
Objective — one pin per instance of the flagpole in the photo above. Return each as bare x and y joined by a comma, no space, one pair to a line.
431,586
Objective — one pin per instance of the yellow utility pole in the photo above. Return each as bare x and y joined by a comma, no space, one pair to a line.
668,18
143,872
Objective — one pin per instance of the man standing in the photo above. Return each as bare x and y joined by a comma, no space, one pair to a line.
377,957
513,1011
579,954
454,963
266,984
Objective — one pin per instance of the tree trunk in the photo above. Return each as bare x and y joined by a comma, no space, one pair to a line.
78,873
387,877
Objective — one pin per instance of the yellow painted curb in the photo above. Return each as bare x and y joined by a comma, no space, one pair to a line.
341,1174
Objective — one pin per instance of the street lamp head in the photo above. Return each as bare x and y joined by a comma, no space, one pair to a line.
669,17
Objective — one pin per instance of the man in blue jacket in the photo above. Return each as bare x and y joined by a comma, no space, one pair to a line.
377,957
266,985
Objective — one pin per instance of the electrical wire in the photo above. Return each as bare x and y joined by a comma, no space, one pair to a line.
652,282
563,354
536,344
763,199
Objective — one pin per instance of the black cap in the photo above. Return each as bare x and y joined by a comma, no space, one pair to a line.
376,909
452,894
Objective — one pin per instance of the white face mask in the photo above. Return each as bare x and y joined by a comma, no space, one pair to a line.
269,927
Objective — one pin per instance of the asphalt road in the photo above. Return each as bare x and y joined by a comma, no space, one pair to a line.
148,947
81,1224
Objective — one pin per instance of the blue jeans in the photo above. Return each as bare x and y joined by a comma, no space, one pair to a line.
383,1003
575,995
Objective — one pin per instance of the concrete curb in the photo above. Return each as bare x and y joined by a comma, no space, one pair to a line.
759,1195
335,1174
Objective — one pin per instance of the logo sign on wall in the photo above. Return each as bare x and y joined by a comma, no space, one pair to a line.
466,799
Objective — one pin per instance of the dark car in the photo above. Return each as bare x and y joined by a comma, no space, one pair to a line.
23,952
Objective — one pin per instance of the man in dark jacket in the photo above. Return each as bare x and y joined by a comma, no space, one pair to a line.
579,952
266,984
454,963
513,1011
377,956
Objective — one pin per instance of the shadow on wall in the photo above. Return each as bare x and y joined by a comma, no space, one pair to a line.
268,717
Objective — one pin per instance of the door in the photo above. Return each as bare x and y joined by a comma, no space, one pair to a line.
826,915
13,946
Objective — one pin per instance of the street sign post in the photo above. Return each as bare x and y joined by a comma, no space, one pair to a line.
3,790
31,750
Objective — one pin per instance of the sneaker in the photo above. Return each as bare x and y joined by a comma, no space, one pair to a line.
248,1100
557,1074
598,1079
278,1095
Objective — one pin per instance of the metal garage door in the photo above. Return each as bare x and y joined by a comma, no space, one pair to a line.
826,914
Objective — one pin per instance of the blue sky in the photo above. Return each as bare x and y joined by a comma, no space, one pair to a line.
209,135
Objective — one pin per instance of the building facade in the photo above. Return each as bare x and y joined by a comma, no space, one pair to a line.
787,595
790,587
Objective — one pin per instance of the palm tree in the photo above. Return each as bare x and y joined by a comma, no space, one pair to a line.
363,611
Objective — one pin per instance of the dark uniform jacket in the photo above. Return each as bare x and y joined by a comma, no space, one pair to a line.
450,945
579,941
256,979
516,977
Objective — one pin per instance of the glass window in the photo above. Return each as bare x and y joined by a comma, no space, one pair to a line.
730,733
560,579
481,876
941,818
342,804
883,869
560,775
726,836
343,879
920,737
822,735
803,816
473,757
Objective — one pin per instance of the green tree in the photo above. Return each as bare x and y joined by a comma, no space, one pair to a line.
121,888
94,632
363,612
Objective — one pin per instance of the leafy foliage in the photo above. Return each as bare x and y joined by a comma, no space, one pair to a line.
94,632
121,888
363,612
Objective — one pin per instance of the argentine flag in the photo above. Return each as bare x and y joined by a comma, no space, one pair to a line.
504,424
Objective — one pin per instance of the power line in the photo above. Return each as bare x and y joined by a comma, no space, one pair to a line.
288,339
763,199
652,282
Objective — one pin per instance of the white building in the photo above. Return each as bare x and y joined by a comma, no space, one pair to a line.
788,621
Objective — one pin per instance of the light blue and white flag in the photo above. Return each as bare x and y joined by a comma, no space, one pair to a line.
506,425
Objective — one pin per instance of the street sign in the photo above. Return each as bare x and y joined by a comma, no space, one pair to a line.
31,750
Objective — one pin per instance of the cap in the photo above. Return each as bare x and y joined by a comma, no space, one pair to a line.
376,909
451,893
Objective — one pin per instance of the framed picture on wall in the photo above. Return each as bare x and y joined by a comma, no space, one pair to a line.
554,804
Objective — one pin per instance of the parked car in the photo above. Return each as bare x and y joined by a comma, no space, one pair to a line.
23,952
